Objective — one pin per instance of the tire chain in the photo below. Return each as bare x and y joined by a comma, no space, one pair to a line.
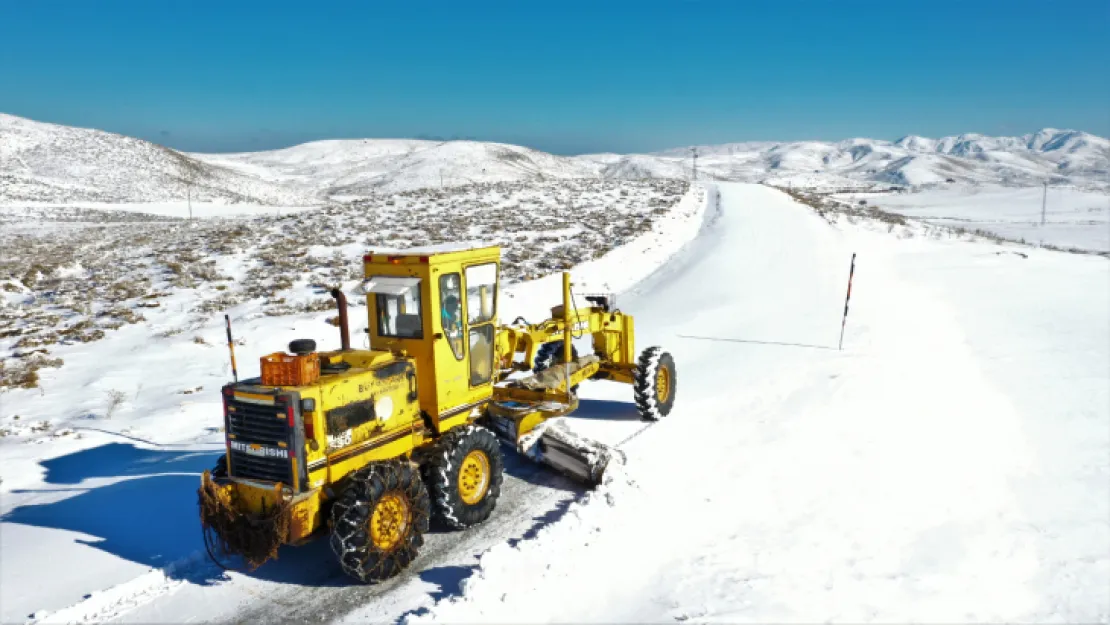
350,537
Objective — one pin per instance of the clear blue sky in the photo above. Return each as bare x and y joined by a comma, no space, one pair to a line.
566,77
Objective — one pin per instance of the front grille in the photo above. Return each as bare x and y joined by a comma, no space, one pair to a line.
268,425
264,428
254,468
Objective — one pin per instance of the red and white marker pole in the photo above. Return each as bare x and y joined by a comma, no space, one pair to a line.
844,321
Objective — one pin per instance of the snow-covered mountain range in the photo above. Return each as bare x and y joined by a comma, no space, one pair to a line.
42,162
1056,156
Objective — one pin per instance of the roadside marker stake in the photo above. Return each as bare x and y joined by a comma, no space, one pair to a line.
231,348
851,272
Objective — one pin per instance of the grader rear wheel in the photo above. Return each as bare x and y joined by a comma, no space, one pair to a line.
474,477
464,476
654,383
379,522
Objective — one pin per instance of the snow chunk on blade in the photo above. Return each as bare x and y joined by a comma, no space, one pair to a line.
554,443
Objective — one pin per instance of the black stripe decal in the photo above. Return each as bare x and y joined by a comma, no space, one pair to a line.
365,446
456,410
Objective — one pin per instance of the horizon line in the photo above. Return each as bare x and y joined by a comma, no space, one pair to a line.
468,138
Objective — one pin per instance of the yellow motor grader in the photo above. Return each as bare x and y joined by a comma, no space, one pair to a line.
369,445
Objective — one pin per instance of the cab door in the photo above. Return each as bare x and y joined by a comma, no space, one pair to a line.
480,280
465,328
449,329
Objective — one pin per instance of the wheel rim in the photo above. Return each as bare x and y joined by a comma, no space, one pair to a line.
390,521
663,384
474,477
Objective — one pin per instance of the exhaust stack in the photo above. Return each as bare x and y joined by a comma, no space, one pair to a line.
344,332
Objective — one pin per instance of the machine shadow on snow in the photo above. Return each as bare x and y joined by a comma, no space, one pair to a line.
607,410
448,580
148,513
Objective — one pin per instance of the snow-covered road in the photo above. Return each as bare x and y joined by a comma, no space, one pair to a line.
949,465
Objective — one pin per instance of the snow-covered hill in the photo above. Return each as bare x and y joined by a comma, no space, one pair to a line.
42,162
361,167
1057,156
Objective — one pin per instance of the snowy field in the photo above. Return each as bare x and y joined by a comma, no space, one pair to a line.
949,465
116,327
72,275
34,212
1074,218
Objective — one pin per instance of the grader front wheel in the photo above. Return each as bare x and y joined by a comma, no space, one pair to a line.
551,355
464,476
654,383
379,521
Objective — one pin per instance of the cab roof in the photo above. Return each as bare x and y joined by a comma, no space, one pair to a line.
439,248
434,254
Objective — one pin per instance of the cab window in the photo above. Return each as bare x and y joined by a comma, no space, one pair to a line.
450,313
481,292
399,313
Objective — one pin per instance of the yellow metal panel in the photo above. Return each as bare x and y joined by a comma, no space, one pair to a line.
306,516
446,423
255,499
529,423
628,344
318,474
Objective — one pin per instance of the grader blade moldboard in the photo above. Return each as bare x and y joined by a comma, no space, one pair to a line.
572,455
540,434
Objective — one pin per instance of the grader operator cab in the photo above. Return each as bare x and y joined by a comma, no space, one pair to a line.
371,444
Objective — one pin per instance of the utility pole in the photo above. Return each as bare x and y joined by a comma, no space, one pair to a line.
694,150
1044,201
189,196
441,178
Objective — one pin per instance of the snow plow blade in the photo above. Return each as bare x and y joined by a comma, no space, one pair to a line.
543,437
577,457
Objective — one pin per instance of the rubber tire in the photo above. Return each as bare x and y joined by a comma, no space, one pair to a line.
552,353
351,513
441,474
647,396
302,346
